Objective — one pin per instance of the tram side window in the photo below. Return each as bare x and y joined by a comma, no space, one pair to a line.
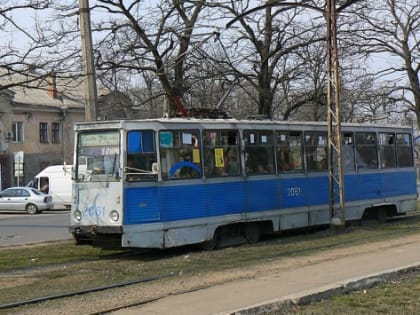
141,156
180,155
289,151
387,150
259,152
347,151
404,150
366,152
316,150
221,153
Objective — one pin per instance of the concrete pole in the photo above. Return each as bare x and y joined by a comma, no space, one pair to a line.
88,65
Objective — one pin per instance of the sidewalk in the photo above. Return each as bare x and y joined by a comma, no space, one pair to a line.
269,292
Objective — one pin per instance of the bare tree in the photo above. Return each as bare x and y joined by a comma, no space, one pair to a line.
303,95
146,96
17,58
264,39
391,29
270,33
155,37
34,43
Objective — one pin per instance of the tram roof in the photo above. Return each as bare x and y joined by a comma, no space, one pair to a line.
108,124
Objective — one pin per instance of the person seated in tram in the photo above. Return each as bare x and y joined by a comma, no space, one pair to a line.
220,171
261,169
232,163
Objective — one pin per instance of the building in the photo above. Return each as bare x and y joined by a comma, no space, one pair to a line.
36,126
115,105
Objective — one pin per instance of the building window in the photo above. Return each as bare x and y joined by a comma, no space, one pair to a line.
17,129
43,132
55,132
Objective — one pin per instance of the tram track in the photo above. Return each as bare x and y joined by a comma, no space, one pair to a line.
69,264
85,291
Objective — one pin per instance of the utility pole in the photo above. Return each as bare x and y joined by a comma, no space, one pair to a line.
335,165
88,65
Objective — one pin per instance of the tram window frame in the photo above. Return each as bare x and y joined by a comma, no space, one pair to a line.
98,156
180,154
221,151
348,152
259,152
387,150
366,150
289,151
316,150
405,156
141,159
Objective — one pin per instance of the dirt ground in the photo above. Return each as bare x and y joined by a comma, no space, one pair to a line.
141,293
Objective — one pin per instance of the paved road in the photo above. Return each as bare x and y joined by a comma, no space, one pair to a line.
21,228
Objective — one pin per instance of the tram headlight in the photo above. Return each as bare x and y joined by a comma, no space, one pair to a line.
77,215
114,215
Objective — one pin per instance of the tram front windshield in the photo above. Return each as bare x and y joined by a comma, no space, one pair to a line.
98,156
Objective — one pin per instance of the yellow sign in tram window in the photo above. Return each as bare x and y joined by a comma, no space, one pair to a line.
218,157
196,155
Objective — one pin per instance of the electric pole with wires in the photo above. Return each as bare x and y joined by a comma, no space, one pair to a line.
335,165
88,65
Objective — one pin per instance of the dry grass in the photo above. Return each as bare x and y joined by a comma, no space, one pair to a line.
396,297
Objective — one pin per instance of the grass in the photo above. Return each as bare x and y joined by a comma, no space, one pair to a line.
396,297
21,257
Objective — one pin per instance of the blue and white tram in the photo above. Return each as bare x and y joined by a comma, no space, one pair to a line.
162,183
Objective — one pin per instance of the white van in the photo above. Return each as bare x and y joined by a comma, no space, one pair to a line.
56,181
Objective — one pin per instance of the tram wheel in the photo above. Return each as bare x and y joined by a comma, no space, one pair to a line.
252,232
211,244
381,215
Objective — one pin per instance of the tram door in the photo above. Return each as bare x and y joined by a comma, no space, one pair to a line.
141,200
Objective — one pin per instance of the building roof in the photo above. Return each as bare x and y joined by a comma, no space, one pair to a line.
44,93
